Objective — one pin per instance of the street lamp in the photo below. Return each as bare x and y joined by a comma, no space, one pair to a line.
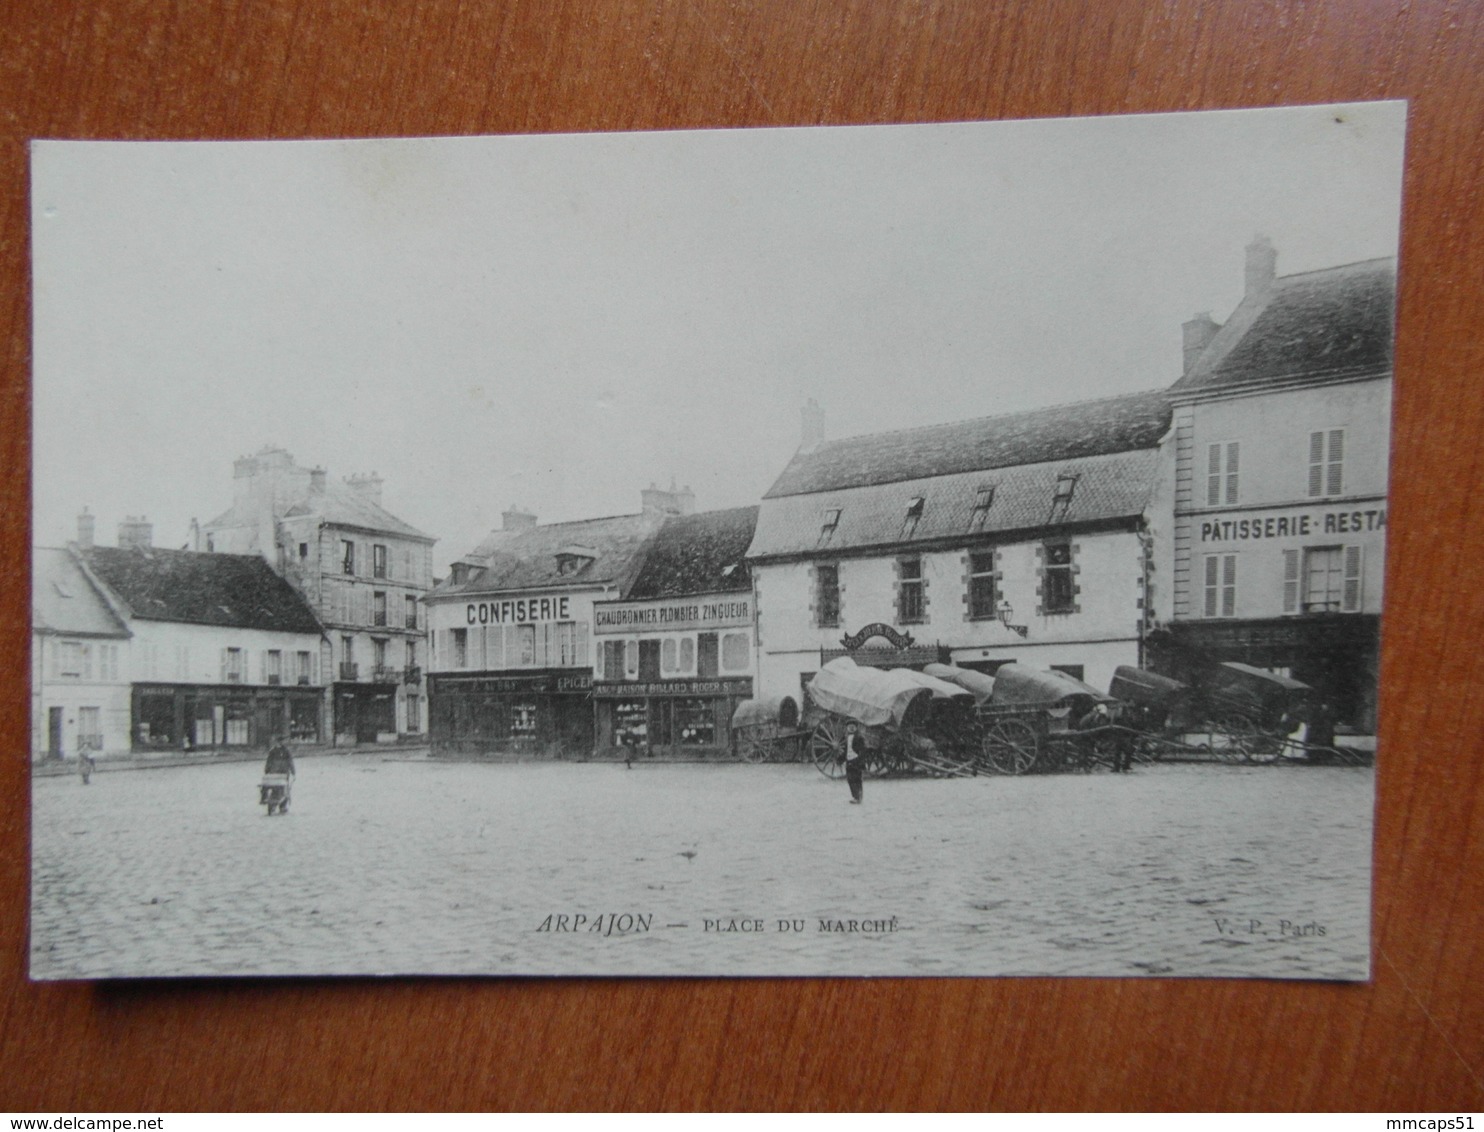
1006,612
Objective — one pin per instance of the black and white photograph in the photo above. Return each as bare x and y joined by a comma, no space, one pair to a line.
918,550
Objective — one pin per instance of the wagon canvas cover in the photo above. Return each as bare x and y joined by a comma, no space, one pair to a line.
571,472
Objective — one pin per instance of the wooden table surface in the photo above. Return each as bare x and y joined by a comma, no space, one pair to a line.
1411,1040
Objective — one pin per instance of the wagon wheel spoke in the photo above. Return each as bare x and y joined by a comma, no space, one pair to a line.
826,745
752,747
1010,746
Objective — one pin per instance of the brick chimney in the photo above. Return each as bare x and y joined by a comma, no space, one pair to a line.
516,519
1262,265
667,502
1197,334
811,432
369,486
85,527
136,532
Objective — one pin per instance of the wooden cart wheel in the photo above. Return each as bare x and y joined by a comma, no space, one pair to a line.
1010,746
827,748
752,747
1246,742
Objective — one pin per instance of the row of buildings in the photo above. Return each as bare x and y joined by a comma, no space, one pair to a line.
1238,514
298,611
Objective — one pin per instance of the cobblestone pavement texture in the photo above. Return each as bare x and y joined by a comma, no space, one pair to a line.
399,865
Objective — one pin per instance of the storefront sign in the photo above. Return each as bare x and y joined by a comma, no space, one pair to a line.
514,611
623,690
494,685
877,629
1292,524
691,613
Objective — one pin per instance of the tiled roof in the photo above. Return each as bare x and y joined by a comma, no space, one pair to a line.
236,590
1062,432
1107,488
1319,324
337,503
527,559
701,553
64,600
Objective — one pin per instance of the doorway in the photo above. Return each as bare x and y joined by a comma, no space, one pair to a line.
54,733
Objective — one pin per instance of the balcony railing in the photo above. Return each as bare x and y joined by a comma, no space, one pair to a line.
411,621
304,678
413,674
378,617
349,670
382,674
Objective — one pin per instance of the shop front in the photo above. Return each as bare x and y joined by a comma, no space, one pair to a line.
546,714
365,713
673,719
1338,655
197,717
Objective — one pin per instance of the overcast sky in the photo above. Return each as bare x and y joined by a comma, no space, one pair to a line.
556,321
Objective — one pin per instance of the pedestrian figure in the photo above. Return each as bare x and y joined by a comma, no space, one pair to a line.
86,766
855,762
280,759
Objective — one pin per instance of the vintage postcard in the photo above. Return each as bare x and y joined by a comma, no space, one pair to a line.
890,550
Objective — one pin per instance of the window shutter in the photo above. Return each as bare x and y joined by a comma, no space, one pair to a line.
581,657
1229,586
224,666
1352,579
1290,581
1316,464
1232,455
1213,475
1333,475
1213,566
631,659
512,646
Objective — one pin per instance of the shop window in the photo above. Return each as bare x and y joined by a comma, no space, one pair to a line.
304,720
1221,473
827,595
649,660
1326,462
347,556
694,723
155,722
1220,588
378,608
734,652
630,723
706,667
983,594
378,561
239,730
522,719
911,596
461,648
1058,590
687,654
667,654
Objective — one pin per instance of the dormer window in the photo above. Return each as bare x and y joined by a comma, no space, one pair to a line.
983,500
1066,483
827,526
914,514
573,559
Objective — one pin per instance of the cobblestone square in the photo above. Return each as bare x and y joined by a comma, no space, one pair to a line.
407,865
